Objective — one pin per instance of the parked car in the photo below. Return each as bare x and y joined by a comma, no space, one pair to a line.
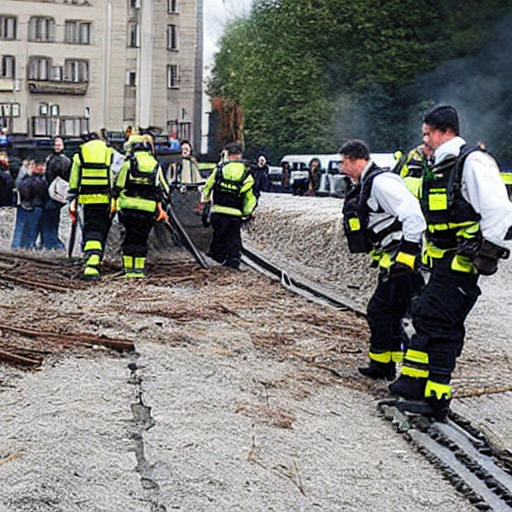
332,182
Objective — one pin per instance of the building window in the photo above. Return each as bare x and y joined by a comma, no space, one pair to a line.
78,32
54,110
7,27
135,4
133,34
39,68
57,73
172,37
41,29
172,6
9,110
184,131
172,76
7,66
76,70
131,78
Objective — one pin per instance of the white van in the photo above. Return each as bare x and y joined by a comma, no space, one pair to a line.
332,182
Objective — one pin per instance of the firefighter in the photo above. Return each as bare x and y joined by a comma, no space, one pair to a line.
90,187
469,219
411,166
382,218
138,194
230,188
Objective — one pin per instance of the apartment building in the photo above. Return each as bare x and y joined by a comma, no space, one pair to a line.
72,66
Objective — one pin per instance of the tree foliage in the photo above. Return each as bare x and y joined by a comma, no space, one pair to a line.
308,73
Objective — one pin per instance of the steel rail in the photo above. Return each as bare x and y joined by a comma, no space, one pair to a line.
256,261
461,453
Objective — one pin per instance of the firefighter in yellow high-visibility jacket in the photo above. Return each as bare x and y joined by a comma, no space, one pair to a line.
230,188
138,191
90,187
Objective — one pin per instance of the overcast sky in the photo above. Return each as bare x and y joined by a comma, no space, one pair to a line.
216,13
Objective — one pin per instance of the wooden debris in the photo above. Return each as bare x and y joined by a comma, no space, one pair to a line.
9,357
80,338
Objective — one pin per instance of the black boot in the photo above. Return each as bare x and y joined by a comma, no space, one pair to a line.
409,388
440,407
378,371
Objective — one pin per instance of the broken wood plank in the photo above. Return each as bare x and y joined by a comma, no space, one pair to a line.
15,358
80,338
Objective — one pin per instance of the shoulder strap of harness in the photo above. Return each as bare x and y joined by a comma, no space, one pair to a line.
397,169
219,178
136,172
367,182
91,165
455,179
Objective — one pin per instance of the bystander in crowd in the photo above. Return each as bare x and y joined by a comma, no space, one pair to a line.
58,168
32,196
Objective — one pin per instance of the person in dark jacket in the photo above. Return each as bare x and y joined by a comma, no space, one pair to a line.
260,173
6,183
32,193
314,176
58,166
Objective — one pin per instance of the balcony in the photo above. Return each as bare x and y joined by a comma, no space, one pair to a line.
57,87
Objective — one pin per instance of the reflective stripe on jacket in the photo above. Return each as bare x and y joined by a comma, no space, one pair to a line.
231,188
90,174
140,182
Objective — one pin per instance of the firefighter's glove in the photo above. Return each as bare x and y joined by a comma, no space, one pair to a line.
408,254
162,214
112,207
486,259
72,210
469,242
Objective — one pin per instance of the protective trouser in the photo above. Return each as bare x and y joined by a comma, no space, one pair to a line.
138,225
438,318
388,306
96,226
226,246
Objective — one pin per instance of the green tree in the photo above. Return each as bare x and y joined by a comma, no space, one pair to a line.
309,73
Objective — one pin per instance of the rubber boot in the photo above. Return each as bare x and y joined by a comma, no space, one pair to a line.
378,371
137,270
127,265
440,407
91,273
410,388
92,268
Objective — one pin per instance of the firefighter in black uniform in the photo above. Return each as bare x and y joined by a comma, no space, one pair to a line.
90,186
138,192
469,218
382,218
230,188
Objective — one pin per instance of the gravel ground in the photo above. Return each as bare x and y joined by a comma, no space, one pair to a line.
242,415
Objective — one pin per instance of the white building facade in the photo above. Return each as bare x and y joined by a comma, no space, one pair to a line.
68,67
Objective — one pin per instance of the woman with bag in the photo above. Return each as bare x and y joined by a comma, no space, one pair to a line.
58,167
